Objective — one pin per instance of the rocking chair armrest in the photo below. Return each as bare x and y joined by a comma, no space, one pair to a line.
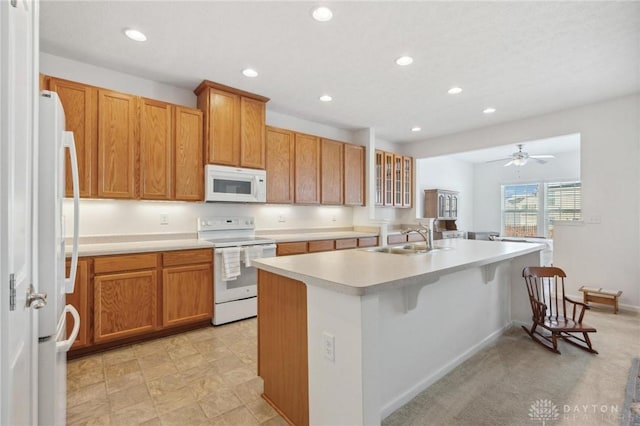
584,305
576,304
539,309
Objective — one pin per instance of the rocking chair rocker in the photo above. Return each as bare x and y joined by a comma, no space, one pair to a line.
554,312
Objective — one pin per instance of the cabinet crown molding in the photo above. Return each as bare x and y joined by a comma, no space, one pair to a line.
210,84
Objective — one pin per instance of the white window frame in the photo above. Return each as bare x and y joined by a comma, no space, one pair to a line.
542,219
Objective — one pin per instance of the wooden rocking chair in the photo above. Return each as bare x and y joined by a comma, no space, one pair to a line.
555,312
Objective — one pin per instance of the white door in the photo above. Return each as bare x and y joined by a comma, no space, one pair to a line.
18,116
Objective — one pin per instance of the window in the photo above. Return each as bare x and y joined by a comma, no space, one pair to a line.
528,210
563,202
520,210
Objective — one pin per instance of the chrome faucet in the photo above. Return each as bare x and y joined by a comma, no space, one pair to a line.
424,232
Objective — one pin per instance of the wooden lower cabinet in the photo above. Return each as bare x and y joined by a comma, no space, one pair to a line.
124,304
314,246
79,299
346,243
396,239
286,249
368,242
282,345
321,245
187,294
131,297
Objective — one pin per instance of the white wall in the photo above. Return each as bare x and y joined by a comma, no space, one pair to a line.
126,217
488,178
57,66
447,173
602,254
117,217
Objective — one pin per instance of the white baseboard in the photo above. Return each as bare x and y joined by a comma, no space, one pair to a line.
411,393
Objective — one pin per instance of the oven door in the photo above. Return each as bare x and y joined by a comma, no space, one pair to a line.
244,286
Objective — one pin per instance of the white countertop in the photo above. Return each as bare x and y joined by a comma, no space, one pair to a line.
314,236
360,272
101,249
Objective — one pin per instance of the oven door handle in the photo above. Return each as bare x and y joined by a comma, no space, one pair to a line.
264,247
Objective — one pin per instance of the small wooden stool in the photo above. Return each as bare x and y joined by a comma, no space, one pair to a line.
600,295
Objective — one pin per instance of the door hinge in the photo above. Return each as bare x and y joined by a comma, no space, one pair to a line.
12,292
14,3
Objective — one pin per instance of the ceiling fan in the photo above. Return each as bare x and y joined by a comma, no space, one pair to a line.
521,158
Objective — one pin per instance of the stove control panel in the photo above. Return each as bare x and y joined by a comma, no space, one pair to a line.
223,223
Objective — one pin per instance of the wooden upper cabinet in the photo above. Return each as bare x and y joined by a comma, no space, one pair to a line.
280,148
332,171
80,106
156,153
353,175
221,127
307,169
188,165
117,145
252,133
234,125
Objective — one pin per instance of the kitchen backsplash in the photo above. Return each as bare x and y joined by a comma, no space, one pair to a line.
121,217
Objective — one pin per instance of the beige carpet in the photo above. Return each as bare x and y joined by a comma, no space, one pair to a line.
517,382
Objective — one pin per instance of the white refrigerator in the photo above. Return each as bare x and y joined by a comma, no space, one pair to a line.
53,342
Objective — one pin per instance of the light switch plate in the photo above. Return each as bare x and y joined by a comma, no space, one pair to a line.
328,346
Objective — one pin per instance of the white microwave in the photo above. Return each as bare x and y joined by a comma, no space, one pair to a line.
236,185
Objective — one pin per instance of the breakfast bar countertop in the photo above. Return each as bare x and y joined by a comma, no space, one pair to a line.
360,272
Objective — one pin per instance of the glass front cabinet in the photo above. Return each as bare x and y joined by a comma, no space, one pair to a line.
393,179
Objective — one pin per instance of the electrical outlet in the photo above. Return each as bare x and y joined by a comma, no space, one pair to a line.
329,346
164,218
281,218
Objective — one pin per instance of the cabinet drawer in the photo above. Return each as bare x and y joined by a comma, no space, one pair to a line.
346,243
414,237
323,245
128,262
285,249
368,242
396,239
187,257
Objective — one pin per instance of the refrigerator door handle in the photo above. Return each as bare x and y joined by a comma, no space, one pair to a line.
64,345
69,283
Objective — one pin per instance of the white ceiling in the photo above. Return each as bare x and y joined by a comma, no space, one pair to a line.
556,145
523,58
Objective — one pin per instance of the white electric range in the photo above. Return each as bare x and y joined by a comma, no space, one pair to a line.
235,280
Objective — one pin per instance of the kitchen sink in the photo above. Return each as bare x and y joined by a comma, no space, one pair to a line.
406,249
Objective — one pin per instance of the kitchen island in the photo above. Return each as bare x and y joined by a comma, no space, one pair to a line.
349,337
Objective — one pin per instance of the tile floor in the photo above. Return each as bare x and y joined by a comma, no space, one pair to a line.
203,377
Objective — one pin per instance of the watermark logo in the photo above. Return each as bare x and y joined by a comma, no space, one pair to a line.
543,410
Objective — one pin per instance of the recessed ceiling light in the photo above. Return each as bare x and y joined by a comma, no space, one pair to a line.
135,35
454,90
489,110
322,14
326,98
416,129
403,61
248,72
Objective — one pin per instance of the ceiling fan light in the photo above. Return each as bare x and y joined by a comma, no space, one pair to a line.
519,162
